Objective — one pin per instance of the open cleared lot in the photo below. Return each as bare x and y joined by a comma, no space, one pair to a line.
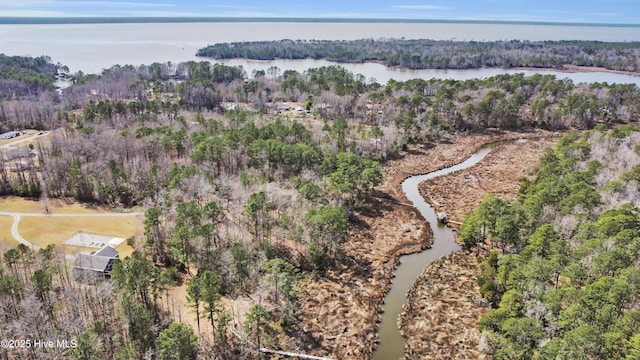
55,206
5,231
26,135
42,231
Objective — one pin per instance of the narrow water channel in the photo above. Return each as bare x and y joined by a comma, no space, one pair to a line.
391,346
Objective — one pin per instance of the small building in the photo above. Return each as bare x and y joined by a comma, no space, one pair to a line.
10,135
230,106
87,268
23,152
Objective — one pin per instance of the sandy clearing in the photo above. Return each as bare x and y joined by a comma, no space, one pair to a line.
5,231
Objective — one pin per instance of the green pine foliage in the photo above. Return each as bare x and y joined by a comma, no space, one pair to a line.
442,54
20,75
570,291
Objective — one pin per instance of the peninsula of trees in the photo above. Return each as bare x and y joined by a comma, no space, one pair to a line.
443,54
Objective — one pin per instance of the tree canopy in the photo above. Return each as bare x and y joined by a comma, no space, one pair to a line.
439,54
570,289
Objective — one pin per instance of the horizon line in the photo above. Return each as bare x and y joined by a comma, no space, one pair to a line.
34,20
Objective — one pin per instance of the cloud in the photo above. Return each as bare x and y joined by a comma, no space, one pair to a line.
55,3
603,14
421,7
24,3
168,13
114,4
35,13
96,8
227,6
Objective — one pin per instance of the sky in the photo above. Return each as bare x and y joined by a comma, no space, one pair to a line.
571,11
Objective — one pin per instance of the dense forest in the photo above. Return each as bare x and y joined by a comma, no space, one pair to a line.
21,76
236,204
440,54
240,198
160,111
563,278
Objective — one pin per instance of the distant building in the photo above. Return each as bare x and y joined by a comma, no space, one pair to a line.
10,135
23,152
230,106
87,268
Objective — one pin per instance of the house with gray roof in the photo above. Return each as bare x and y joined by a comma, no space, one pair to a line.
9,135
87,268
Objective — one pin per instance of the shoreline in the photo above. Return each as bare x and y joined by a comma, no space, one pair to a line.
574,69
566,68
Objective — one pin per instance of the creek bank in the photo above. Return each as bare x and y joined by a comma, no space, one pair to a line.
339,313
440,316
572,69
499,173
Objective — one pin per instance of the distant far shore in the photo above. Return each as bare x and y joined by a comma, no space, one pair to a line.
572,69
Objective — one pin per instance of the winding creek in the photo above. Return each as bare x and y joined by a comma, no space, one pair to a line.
391,344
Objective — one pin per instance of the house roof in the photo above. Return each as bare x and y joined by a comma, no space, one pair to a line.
94,263
9,135
107,251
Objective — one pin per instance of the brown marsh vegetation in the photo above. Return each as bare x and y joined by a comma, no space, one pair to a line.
341,310
444,305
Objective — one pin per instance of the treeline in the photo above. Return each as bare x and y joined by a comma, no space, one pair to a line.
565,282
46,109
131,113
440,54
21,76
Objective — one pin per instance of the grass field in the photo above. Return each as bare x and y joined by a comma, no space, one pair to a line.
55,206
5,231
42,231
